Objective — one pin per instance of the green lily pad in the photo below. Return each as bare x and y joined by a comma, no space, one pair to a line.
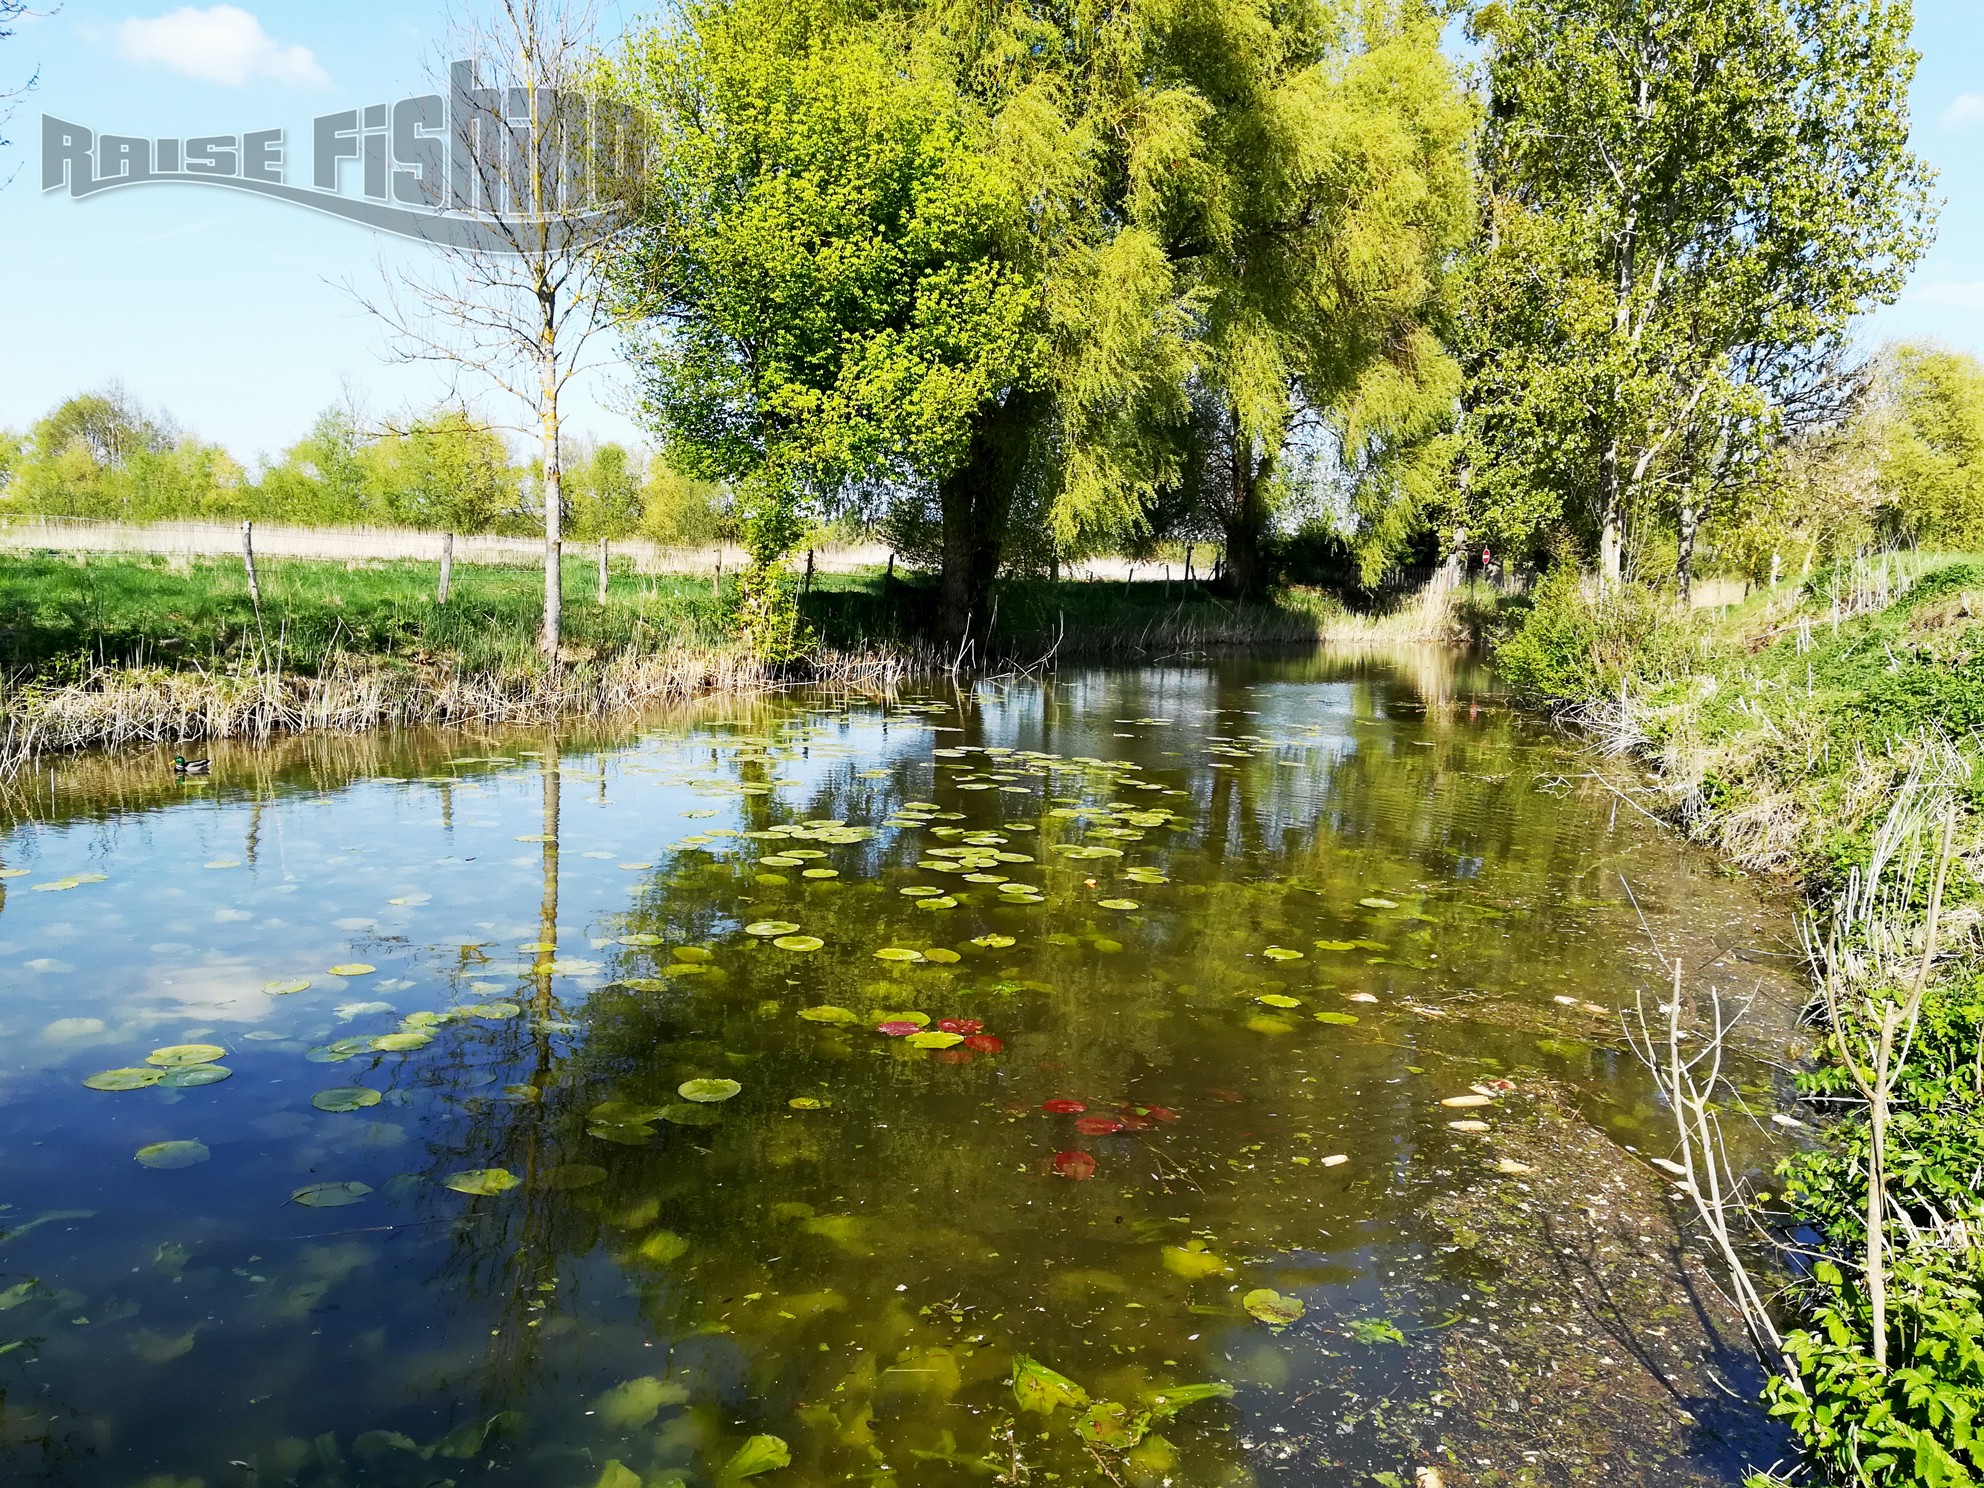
689,1113
1374,902
932,1039
481,1181
1279,1000
178,1056
898,953
809,1103
172,1154
497,1010
1336,945
769,928
352,968
1038,1388
1118,904
828,1013
707,1090
330,1195
284,988
798,942
1281,953
1193,1264
192,1075
1272,1307
345,1098
994,942
640,940
399,1043
1344,1018
625,1134
123,1079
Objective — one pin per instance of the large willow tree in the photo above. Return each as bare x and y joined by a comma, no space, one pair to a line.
965,244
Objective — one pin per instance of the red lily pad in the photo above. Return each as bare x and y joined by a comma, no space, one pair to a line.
1064,1107
960,1025
1098,1126
897,1030
1133,1122
1073,1165
953,1056
985,1043
1156,1113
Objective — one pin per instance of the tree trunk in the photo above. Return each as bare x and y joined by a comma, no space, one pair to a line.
447,567
1243,570
602,570
1453,573
554,517
1684,562
807,587
976,500
1611,542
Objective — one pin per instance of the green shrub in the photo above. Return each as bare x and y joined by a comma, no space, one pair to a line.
1576,644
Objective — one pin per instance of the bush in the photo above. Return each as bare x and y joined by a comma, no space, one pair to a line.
1576,644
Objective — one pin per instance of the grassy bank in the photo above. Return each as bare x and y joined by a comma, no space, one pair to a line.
109,650
1827,730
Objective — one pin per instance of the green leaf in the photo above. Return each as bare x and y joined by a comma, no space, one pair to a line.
707,1090
481,1181
760,1454
1107,1424
1038,1388
1375,1330
1272,1307
1175,1398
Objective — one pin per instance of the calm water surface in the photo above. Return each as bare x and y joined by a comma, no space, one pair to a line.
1240,918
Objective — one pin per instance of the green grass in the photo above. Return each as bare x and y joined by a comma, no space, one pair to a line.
63,616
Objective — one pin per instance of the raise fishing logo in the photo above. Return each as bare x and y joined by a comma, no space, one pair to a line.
498,168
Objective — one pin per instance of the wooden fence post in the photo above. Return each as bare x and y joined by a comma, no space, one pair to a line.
248,562
602,570
447,566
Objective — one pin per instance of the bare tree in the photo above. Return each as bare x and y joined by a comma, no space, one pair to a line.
534,173
10,12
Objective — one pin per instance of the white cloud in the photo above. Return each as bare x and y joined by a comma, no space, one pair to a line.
222,44
1968,109
1955,296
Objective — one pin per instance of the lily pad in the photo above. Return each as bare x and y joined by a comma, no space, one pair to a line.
192,1075
898,953
1119,904
1281,953
1344,1018
798,942
1038,1388
123,1079
1272,1307
941,956
399,1043
640,940
352,968
1076,1165
809,1103
481,1181
934,1039
345,1098
284,988
707,1090
172,1154
330,1195
994,942
1279,1000
1098,1126
179,1056
497,1010
664,1246
1374,902
689,1113
1336,945
769,928
1193,1264
828,1013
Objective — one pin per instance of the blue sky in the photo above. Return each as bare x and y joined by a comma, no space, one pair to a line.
232,313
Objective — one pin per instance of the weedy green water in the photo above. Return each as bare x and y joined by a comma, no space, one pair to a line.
1179,1074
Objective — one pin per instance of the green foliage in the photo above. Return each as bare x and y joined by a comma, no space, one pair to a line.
1671,255
1581,641
1931,466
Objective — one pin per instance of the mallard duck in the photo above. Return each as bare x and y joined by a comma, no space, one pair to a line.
183,766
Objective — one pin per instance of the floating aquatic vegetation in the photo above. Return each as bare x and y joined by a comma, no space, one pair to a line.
483,1181
123,1079
345,1098
330,1195
178,1056
352,969
708,1090
1272,1308
172,1154
1077,1165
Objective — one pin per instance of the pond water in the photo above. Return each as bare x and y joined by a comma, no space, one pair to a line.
510,1108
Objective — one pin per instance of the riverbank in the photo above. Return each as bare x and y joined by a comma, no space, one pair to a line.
107,651
1826,731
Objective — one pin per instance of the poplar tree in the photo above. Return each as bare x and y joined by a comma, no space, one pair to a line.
1685,208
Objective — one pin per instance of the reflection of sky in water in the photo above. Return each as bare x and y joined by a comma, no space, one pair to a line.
1300,785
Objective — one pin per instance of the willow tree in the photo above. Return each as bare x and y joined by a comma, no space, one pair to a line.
1687,207
819,264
